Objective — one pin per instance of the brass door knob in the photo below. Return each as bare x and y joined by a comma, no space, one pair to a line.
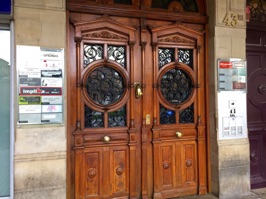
179,134
138,91
106,139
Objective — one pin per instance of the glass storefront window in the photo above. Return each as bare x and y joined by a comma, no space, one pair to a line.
4,113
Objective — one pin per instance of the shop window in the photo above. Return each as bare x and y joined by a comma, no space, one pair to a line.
5,113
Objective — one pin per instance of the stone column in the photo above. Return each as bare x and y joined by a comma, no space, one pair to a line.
230,166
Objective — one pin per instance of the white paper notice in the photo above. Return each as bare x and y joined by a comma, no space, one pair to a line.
52,82
51,99
51,108
30,108
28,61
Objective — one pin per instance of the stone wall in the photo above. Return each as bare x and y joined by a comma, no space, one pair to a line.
40,150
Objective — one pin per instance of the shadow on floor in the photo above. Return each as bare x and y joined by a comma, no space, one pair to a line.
254,194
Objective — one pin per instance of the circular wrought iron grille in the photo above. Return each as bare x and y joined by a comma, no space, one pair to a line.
176,86
105,85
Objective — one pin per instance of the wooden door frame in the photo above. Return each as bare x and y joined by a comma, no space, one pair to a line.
200,19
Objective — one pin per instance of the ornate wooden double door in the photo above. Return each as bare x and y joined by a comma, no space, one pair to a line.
136,90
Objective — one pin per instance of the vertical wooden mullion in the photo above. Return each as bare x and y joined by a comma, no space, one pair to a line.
156,131
105,113
202,177
78,82
144,136
132,90
177,109
155,86
132,130
105,119
79,155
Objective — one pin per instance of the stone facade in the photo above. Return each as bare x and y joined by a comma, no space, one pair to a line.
40,151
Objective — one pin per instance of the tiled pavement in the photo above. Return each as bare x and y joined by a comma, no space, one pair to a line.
254,194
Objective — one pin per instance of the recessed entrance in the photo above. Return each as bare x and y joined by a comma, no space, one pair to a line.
137,126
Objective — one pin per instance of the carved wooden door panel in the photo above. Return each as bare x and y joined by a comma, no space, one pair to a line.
138,108
105,139
256,109
179,133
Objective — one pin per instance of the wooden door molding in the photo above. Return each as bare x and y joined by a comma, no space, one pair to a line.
102,28
139,10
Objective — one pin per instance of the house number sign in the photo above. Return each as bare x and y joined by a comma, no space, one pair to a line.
231,19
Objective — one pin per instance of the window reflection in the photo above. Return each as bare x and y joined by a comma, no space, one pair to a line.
4,113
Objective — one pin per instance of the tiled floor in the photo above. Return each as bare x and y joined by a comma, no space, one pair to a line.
254,194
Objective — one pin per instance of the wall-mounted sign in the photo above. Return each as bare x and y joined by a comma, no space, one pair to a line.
40,77
232,126
231,75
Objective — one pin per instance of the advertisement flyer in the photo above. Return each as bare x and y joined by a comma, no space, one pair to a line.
40,77
51,99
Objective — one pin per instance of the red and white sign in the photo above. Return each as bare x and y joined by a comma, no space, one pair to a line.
226,64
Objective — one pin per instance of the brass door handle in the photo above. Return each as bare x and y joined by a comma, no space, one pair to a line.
106,139
138,91
179,134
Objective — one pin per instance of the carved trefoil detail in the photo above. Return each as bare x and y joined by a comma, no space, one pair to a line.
176,39
103,34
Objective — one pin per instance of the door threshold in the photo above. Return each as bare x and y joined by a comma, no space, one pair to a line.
206,196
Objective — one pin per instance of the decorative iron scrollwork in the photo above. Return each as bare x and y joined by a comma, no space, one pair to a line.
186,56
257,10
117,54
176,86
93,118
117,118
105,86
187,115
167,116
92,52
187,5
165,56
